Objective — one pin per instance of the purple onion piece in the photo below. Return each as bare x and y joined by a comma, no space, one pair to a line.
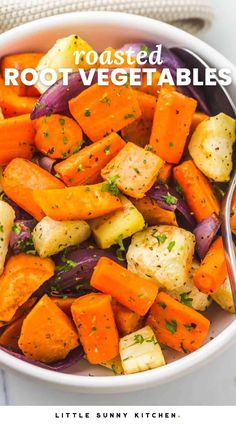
74,270
171,61
21,233
56,98
20,213
45,162
205,233
72,358
168,199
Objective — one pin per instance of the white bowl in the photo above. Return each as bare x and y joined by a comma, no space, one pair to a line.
103,29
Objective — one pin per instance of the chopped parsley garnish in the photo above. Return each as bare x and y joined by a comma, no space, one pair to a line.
191,326
1,228
129,116
121,248
171,326
185,299
137,171
138,339
80,167
162,305
169,199
107,150
171,245
94,329
16,228
179,189
110,185
145,48
87,112
62,121
105,99
161,238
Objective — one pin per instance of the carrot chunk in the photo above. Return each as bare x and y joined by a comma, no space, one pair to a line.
57,136
198,117
213,270
134,170
12,104
127,321
22,276
47,334
176,325
64,304
9,338
85,166
171,124
152,213
82,202
130,290
19,180
197,190
16,138
101,110
233,214
98,334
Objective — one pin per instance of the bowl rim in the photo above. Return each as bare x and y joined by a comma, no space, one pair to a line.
125,383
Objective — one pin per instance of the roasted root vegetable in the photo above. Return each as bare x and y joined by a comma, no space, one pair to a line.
171,124
101,110
9,338
223,296
197,190
198,117
134,170
140,351
233,214
16,138
110,229
127,321
85,166
22,276
19,180
114,365
64,303
50,237
165,173
13,105
47,334
130,290
7,217
74,203
211,147
213,270
62,55
57,136
188,293
20,62
152,213
96,326
163,253
176,325
138,132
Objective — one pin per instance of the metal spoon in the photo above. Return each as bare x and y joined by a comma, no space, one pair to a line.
219,100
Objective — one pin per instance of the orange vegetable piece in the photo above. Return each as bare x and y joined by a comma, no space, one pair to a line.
101,110
85,166
139,132
64,304
171,124
12,104
154,89
147,104
198,117
98,334
152,213
47,334
82,202
134,169
22,276
127,321
16,138
165,172
22,61
9,338
233,214
197,190
19,180
130,290
213,270
57,136
176,325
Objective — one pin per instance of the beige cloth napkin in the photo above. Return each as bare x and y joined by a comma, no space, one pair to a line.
190,15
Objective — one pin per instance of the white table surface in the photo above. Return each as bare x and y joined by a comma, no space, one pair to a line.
214,384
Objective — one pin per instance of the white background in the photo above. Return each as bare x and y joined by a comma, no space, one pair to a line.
214,384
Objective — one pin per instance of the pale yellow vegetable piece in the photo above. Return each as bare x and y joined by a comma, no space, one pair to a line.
50,237
163,253
115,365
189,294
7,217
211,147
61,55
121,224
140,351
223,296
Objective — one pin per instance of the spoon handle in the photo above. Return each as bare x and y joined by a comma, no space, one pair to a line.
227,236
